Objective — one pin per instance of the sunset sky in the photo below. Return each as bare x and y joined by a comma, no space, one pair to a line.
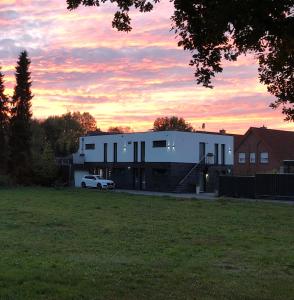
80,63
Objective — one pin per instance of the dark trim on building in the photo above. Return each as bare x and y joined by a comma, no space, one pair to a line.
156,176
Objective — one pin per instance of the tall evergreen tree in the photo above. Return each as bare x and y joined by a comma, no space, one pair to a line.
4,110
20,122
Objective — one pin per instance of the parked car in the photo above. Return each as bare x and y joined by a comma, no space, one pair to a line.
96,181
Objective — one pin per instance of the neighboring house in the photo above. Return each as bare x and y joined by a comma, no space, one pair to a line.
158,161
263,150
288,166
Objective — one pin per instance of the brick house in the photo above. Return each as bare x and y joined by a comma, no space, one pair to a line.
262,150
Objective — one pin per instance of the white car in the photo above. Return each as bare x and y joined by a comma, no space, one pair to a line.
96,181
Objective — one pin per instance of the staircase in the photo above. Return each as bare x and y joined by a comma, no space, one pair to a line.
183,185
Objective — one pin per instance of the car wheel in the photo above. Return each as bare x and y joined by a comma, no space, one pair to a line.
99,186
83,185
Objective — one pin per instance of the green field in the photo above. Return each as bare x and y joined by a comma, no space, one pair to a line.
85,244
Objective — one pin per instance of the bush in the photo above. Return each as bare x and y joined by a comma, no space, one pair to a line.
5,181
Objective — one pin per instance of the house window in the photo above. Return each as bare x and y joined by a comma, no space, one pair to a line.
202,152
114,152
142,151
135,151
216,154
252,158
90,146
223,154
159,144
242,158
159,172
264,157
105,152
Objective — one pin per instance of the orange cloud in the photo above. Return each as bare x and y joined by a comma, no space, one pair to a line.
79,62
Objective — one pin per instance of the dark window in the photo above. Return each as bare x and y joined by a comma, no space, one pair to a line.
142,151
159,144
135,151
216,154
105,152
202,152
223,154
114,152
159,172
90,146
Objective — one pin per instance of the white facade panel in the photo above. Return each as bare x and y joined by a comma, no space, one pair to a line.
181,147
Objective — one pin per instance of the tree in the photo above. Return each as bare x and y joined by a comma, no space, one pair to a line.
63,132
45,168
20,122
86,120
119,129
4,118
172,123
214,31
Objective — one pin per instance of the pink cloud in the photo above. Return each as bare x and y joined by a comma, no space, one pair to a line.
79,62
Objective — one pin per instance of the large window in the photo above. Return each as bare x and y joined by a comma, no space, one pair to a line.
142,151
159,144
223,154
135,151
202,152
264,157
114,152
90,146
252,158
242,158
105,152
216,154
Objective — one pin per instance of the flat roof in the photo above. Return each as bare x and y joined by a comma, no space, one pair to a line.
99,133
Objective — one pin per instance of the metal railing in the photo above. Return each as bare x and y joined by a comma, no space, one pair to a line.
193,168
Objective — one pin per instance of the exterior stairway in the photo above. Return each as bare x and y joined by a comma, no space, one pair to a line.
183,185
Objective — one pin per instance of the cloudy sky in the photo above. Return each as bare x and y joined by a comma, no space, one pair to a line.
80,63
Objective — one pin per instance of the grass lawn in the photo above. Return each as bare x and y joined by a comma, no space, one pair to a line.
85,244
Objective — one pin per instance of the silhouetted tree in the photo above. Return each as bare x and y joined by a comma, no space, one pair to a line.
171,123
63,132
4,118
20,127
119,129
86,120
214,30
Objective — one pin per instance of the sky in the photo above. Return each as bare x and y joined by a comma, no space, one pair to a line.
80,63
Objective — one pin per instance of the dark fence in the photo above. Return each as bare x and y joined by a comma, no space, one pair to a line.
278,185
237,186
273,186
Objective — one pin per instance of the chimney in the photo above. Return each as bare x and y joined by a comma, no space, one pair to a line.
222,131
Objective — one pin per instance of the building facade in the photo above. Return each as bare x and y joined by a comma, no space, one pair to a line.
263,150
157,161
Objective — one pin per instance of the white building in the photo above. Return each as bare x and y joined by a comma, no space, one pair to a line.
163,160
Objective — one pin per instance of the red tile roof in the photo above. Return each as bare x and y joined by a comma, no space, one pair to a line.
280,141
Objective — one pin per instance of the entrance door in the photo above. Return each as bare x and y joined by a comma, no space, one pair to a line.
203,181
